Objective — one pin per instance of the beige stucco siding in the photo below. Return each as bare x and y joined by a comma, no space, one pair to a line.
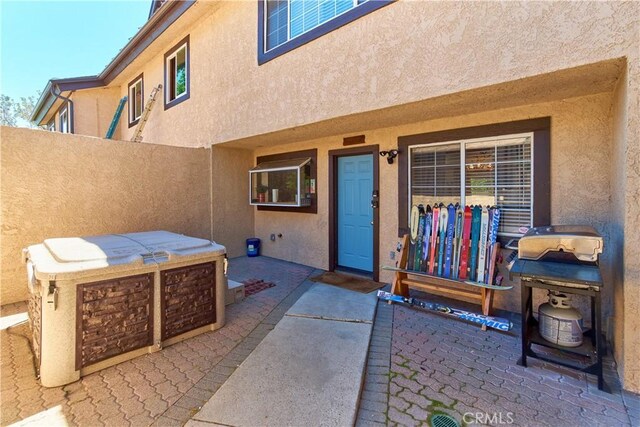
580,142
406,52
55,185
232,216
94,109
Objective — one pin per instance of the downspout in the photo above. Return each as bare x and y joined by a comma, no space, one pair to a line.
69,102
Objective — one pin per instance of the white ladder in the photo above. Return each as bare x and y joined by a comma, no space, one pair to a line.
137,135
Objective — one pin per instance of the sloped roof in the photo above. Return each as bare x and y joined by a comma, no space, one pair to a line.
162,14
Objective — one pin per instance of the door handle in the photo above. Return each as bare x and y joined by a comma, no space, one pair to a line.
374,200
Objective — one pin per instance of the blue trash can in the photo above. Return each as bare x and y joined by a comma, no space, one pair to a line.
253,247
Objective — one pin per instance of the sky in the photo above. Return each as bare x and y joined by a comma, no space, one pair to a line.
40,40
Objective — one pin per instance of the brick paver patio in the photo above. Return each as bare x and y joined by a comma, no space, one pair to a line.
419,364
442,366
166,387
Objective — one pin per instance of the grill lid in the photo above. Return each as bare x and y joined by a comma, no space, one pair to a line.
581,241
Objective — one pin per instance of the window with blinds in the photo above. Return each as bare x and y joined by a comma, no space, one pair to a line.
287,19
489,171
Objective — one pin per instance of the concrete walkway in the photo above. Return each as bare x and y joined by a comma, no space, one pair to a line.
308,371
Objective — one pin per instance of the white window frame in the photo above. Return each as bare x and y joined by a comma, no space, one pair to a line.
64,113
169,96
132,110
463,143
51,126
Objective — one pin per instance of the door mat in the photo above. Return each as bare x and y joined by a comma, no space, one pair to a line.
353,283
253,286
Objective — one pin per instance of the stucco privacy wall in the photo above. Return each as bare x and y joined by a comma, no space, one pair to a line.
580,142
627,180
55,185
232,216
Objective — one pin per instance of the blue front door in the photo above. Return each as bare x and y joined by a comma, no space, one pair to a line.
355,215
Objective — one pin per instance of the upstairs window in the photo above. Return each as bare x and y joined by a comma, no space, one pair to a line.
64,120
51,126
176,71
287,24
136,100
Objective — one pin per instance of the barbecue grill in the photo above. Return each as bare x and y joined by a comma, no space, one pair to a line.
562,258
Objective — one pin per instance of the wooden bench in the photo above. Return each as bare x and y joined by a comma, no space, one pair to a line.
406,279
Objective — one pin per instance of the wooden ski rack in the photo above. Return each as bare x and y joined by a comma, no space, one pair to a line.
406,279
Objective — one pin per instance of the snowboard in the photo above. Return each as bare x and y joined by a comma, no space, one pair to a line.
489,321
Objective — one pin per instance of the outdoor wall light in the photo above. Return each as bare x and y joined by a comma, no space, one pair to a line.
391,154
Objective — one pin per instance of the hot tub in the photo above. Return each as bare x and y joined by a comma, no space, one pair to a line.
98,301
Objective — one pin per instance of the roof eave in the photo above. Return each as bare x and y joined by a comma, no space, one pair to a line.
155,26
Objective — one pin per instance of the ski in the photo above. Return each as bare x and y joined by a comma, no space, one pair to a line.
418,243
451,224
482,246
413,223
444,219
434,238
458,240
495,248
464,250
475,237
425,238
490,321
493,238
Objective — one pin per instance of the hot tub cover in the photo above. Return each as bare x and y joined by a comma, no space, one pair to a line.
68,257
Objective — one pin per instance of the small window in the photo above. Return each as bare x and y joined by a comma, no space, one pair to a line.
282,183
136,100
51,126
176,71
292,175
64,120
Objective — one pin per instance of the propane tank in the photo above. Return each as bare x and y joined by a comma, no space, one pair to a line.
560,323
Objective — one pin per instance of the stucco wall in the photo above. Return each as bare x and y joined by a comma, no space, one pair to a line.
628,160
94,110
405,52
231,213
581,141
55,185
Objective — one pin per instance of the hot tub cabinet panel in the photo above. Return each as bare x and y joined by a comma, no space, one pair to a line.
98,301
188,300
113,317
35,323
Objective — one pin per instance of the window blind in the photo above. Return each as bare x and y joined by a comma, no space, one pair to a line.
497,172
286,19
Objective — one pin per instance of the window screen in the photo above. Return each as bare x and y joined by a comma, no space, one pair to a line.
496,172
